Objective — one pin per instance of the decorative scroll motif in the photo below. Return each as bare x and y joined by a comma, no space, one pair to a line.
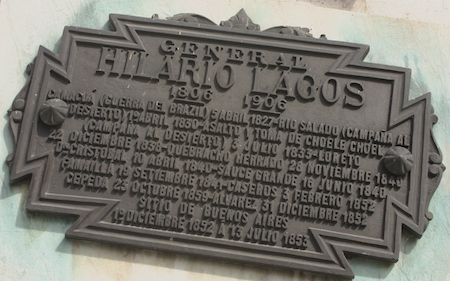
191,18
290,30
16,112
263,147
435,168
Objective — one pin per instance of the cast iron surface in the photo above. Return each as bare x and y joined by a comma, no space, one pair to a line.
266,147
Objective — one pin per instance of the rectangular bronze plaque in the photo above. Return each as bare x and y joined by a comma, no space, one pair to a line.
267,147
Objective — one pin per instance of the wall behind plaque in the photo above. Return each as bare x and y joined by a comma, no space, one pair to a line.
407,33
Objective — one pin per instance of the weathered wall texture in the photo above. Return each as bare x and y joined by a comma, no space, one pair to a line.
33,247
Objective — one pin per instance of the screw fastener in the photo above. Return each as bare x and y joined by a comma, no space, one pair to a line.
398,160
54,112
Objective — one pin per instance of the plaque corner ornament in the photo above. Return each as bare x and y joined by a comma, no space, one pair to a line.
226,141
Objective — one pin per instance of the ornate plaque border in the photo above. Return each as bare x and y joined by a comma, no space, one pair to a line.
24,162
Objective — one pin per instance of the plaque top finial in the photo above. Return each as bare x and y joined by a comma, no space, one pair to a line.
241,20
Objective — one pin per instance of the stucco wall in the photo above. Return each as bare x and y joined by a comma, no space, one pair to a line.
33,247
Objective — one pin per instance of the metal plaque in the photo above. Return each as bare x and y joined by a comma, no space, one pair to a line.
267,147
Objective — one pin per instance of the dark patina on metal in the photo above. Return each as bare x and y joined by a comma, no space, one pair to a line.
266,147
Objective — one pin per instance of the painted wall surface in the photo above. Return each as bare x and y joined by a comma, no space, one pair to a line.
33,247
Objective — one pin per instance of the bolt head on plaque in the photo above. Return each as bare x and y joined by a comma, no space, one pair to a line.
398,160
54,111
